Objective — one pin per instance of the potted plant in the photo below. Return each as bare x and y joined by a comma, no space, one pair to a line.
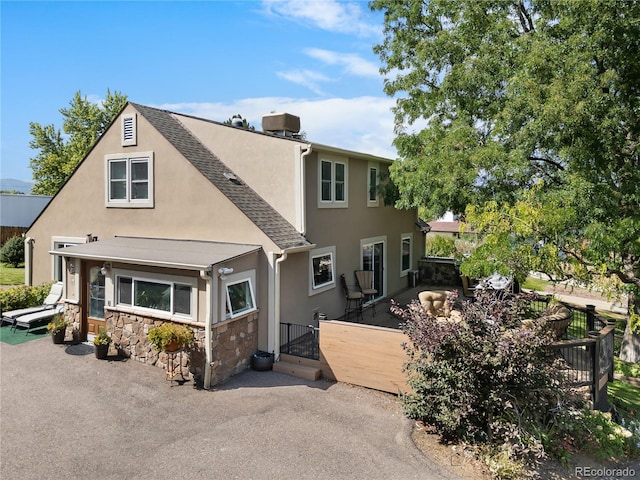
57,327
101,343
170,336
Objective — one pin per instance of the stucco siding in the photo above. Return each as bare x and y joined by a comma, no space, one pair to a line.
186,205
266,163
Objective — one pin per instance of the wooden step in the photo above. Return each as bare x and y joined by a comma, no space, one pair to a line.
297,370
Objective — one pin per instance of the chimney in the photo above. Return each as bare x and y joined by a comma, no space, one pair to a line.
283,124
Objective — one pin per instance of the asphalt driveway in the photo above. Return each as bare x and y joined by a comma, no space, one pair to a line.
65,414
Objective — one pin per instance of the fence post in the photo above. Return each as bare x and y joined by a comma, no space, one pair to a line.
591,318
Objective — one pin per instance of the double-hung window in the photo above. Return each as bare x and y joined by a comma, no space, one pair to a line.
174,298
333,187
129,180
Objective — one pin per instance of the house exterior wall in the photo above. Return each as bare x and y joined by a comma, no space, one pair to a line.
265,162
345,228
187,206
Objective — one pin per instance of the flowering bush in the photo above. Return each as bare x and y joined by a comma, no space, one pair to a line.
485,378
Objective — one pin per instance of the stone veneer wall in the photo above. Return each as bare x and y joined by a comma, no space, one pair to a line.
73,314
233,343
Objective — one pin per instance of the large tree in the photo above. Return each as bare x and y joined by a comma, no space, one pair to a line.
58,154
532,128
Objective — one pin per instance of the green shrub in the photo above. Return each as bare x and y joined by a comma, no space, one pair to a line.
485,378
23,297
440,246
12,252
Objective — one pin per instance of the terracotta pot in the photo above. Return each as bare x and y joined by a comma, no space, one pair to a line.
172,347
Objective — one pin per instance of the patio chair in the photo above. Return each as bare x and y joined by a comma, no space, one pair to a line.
354,299
55,293
364,280
36,319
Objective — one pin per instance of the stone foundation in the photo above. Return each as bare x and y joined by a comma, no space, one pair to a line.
233,343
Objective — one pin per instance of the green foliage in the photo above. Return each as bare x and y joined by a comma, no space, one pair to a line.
57,324
103,338
440,246
12,252
10,275
533,129
23,296
162,335
485,378
59,155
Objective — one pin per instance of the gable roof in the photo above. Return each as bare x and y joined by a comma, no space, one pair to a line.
258,210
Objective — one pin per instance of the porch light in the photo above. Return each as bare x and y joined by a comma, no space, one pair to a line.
224,271
106,266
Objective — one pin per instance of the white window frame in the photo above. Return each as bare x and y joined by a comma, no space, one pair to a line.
225,302
403,237
317,253
129,158
333,161
57,264
129,130
155,278
376,201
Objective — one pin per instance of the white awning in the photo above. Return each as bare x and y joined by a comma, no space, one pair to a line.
158,252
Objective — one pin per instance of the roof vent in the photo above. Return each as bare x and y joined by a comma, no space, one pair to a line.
283,124
237,122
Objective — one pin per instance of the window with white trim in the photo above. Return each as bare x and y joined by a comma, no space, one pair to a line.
175,298
240,298
322,269
129,180
333,183
129,130
372,185
406,249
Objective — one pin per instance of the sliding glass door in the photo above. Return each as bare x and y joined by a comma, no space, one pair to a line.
374,258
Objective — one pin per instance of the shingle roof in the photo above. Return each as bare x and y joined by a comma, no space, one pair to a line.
258,210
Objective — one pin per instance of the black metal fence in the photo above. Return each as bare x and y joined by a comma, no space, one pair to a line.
586,351
300,340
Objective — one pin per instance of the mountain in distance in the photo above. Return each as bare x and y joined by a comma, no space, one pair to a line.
11,184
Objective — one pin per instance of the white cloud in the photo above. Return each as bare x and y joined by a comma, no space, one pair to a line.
362,124
330,15
306,78
353,64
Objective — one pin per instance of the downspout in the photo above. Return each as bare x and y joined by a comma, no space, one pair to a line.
283,257
302,192
209,279
28,261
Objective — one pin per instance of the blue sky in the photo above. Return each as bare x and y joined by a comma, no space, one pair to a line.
212,59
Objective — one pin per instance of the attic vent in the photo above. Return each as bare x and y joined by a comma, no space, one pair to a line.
232,178
283,124
129,130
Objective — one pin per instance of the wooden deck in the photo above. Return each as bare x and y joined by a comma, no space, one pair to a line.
383,316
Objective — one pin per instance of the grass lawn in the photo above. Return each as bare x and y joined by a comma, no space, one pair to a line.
625,396
535,284
10,275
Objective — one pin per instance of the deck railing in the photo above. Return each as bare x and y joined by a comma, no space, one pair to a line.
586,351
300,340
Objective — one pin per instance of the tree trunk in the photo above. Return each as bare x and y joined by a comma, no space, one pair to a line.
630,347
